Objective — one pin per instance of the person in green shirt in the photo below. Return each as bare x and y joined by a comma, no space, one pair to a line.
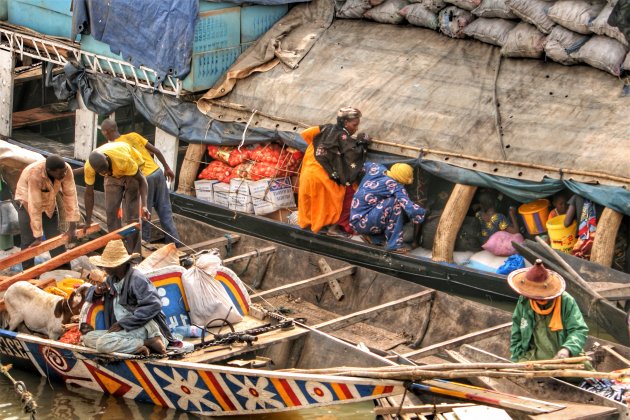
546,323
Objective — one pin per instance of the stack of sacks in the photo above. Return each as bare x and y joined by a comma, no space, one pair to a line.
565,31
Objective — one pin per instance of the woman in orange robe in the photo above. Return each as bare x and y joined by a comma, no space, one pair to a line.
331,166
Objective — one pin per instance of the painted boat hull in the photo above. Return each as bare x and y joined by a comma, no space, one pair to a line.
193,387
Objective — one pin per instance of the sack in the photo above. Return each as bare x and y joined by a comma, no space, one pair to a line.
500,243
207,298
603,53
524,41
583,247
490,31
453,20
354,9
561,42
465,4
575,14
431,5
494,9
163,257
513,262
600,26
387,12
418,15
9,223
534,12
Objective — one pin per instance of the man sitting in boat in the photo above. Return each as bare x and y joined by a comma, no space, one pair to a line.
133,309
35,195
381,203
121,165
547,323
157,193
332,164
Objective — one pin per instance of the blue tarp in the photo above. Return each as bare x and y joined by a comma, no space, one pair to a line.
154,33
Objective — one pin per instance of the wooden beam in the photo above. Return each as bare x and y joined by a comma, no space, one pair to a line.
451,221
419,409
39,115
332,283
322,278
47,245
7,65
458,341
344,321
261,251
68,256
190,168
612,291
212,243
604,243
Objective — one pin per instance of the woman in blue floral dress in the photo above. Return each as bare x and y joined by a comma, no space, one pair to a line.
380,203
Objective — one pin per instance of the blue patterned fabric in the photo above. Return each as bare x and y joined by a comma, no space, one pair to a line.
379,206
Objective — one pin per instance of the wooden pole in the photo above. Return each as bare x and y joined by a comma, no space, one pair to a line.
47,245
190,167
451,221
604,243
68,256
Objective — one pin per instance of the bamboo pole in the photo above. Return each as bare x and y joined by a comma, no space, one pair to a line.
604,244
423,409
190,167
451,221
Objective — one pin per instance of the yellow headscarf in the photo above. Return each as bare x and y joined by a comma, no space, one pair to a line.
401,172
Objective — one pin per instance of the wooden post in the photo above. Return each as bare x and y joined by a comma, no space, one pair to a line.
169,146
85,125
68,256
190,167
604,243
47,245
7,66
451,221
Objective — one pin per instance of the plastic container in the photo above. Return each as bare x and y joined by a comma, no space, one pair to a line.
535,215
562,238
50,17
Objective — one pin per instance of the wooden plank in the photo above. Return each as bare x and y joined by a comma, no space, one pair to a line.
419,409
47,245
344,321
332,283
68,256
612,291
458,341
322,278
7,64
39,115
212,243
258,252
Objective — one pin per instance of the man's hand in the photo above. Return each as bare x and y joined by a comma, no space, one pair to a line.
115,327
101,289
562,354
170,175
146,214
36,242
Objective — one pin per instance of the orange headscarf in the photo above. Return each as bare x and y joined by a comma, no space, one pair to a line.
556,318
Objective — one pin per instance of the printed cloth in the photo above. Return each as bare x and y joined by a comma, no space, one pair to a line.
496,223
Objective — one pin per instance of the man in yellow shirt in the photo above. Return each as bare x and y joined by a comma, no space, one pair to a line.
35,195
121,165
157,195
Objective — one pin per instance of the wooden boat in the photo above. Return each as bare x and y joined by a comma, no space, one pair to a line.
602,296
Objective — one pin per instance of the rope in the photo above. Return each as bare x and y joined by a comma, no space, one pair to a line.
251,117
497,114
29,403
168,234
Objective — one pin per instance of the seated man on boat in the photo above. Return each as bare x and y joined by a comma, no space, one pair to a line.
35,196
121,166
157,193
547,323
331,166
133,309
381,203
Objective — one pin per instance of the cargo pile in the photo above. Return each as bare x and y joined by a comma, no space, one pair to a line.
252,179
565,31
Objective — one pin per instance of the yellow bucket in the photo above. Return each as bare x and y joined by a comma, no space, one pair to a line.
535,215
69,284
562,238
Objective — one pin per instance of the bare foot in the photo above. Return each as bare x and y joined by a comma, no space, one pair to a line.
142,351
156,345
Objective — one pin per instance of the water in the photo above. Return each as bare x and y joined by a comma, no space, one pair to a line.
56,401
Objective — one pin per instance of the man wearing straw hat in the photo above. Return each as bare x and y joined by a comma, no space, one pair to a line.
547,323
133,308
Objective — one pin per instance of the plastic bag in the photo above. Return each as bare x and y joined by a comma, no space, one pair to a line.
513,262
207,298
9,224
500,243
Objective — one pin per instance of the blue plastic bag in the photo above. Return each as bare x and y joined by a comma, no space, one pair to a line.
511,263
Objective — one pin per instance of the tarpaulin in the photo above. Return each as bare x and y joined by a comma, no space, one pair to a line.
265,2
154,33
423,90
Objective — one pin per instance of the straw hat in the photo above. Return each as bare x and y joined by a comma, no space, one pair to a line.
114,255
537,282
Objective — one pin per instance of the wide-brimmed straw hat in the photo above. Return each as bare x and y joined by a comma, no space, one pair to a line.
114,254
537,282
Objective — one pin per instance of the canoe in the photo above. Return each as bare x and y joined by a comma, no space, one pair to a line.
604,296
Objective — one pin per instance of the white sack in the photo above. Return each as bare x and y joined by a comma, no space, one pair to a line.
354,9
561,42
387,12
418,15
534,12
494,9
603,53
453,20
163,257
490,31
431,5
524,41
465,4
600,26
207,299
575,14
